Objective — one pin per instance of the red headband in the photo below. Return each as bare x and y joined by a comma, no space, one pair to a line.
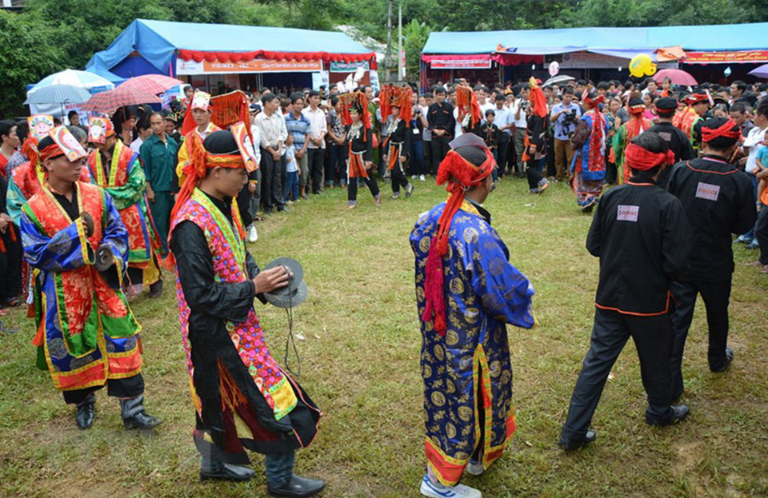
727,131
641,159
637,109
50,152
460,175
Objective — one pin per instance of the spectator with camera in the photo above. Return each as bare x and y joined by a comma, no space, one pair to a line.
564,115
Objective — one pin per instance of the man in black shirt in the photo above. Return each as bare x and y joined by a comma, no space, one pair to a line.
678,143
642,237
719,201
441,124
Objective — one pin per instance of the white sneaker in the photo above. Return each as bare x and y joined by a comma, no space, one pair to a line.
439,491
253,235
474,469
421,177
413,177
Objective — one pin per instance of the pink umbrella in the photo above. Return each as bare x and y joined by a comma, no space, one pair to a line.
121,96
677,76
151,83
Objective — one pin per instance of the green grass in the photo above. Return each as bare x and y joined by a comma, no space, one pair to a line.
361,365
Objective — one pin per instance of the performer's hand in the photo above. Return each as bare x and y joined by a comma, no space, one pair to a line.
3,225
402,159
87,223
269,280
150,194
251,188
368,164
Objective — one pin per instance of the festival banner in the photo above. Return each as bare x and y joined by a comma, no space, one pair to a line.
460,64
348,67
191,67
726,57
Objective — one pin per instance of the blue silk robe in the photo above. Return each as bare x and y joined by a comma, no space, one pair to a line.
467,373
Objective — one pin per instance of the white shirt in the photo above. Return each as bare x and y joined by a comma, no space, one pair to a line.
256,135
503,118
522,122
272,129
457,131
136,145
318,126
753,141
486,106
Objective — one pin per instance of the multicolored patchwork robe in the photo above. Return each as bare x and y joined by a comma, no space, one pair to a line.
588,165
686,120
86,332
467,372
626,132
242,396
125,182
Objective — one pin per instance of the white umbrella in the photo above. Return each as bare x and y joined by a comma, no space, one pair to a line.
81,79
558,79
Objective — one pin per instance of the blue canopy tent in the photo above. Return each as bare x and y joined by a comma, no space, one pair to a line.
735,43
171,48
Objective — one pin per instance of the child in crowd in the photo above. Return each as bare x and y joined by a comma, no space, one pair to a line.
762,164
292,172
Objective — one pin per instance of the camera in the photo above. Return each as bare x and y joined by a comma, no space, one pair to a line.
569,118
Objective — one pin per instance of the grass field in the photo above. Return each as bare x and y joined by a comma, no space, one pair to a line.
361,365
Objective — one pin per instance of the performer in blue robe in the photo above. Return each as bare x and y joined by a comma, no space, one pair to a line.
589,146
466,291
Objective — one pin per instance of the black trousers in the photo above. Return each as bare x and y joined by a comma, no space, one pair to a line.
398,172
315,158
440,148
117,388
716,296
370,182
653,337
336,167
10,264
501,152
244,205
761,234
272,181
533,174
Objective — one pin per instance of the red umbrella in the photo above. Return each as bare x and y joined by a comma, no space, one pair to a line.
151,83
677,76
119,97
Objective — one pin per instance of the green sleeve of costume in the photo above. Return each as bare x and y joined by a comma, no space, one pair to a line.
619,145
133,190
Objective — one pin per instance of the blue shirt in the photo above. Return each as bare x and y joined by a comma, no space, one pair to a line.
503,118
762,154
562,132
298,128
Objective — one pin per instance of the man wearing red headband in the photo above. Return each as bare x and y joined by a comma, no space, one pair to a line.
678,142
244,400
116,168
466,291
201,108
689,118
642,237
636,125
719,201
87,335
589,146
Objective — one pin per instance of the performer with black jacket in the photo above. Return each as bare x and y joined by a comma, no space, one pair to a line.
642,237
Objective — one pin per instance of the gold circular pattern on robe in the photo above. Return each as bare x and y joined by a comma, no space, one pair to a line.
495,368
457,286
451,337
506,376
430,325
426,416
450,430
470,235
438,399
461,455
465,413
427,371
439,352
466,362
424,244
419,293
472,315
56,349
497,266
450,388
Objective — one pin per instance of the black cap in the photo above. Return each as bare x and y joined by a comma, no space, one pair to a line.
666,104
221,142
635,101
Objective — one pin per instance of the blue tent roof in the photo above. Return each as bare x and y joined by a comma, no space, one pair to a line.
552,41
157,41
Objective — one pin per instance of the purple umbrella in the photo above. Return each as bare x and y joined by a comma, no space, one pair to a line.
760,72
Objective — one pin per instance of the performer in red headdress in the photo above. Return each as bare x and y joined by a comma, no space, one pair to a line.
589,146
466,291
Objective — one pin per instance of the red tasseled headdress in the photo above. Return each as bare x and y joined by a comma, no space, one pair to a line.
538,101
466,97
460,175
358,101
396,96
226,110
